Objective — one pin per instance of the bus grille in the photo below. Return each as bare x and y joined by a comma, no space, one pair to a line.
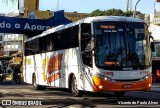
127,80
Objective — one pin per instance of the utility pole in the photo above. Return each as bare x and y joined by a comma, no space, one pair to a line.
129,5
154,7
134,13
57,4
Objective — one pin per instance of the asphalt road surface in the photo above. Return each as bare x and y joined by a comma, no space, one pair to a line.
23,94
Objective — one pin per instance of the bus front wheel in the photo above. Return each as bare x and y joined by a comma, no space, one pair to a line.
119,94
74,88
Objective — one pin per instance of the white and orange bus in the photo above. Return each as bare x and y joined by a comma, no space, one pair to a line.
96,54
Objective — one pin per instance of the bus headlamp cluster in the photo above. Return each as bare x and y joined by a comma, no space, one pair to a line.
103,77
146,77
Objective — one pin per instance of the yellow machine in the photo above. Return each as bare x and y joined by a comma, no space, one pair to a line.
16,61
17,58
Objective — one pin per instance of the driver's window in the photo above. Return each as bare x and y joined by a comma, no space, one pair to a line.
86,44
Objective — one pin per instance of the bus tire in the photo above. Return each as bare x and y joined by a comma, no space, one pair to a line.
74,88
35,85
42,87
119,94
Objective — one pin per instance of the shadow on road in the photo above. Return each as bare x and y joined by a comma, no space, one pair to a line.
11,82
58,97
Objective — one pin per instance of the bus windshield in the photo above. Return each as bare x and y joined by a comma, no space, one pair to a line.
121,44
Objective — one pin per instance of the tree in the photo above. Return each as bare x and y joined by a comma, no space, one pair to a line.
129,13
115,12
97,13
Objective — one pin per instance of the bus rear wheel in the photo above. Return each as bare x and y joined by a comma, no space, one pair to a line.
74,88
119,94
36,86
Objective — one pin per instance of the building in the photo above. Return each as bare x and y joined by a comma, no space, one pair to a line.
74,16
31,11
153,21
1,39
12,43
1,44
154,27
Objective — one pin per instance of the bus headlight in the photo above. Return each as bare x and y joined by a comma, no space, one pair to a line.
103,77
146,77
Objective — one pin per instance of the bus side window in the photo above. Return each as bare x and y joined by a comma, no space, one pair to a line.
32,47
42,44
73,41
49,43
26,49
85,43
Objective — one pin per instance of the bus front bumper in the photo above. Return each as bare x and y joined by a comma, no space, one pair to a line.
101,85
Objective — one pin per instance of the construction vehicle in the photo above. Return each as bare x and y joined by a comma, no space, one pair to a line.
16,61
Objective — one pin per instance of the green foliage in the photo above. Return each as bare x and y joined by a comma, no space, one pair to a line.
113,12
138,12
97,13
129,14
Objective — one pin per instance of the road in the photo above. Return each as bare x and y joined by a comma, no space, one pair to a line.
61,98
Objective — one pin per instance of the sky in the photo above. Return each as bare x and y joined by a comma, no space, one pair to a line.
86,6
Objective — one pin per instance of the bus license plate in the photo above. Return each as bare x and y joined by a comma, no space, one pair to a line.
126,86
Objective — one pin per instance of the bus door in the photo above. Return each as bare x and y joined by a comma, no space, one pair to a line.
86,54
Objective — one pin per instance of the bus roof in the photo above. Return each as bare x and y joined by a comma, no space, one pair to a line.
88,20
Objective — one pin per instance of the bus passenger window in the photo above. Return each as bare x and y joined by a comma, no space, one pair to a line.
42,44
49,45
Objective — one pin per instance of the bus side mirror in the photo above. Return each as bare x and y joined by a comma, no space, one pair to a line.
152,44
152,47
